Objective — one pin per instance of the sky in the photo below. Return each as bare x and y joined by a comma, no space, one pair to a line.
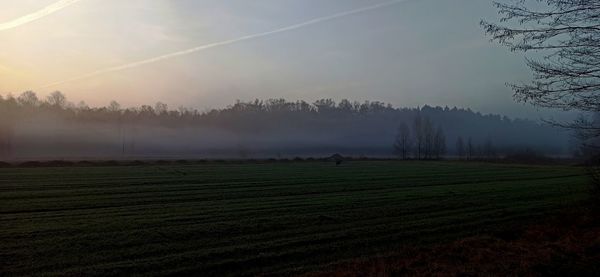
409,54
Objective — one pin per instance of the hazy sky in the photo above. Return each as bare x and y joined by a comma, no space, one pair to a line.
414,53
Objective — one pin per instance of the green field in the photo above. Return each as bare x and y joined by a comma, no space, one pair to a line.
252,218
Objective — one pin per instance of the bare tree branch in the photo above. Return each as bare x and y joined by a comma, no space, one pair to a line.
566,33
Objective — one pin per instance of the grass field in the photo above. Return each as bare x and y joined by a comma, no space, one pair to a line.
251,218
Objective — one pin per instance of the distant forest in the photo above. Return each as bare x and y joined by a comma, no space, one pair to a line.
54,128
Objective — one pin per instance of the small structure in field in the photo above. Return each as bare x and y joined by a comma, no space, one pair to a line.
337,158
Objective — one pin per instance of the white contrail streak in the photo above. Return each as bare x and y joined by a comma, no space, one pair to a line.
50,9
227,42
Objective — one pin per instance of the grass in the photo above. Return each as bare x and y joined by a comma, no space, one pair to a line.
252,218
564,244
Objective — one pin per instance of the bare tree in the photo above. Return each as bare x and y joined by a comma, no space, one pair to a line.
82,106
6,134
6,126
429,137
114,107
418,135
57,99
566,33
470,148
488,148
28,98
589,141
403,142
460,148
439,145
161,108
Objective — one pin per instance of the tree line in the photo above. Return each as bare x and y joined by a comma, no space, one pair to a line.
272,127
423,141
427,141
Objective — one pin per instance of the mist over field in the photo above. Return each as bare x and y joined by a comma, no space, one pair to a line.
372,138
261,129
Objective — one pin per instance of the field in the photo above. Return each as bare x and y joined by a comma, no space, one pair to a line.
279,218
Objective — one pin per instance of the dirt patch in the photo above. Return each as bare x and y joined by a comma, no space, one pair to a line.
567,245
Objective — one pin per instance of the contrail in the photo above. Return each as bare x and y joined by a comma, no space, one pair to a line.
50,9
227,42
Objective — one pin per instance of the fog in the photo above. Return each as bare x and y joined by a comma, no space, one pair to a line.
255,130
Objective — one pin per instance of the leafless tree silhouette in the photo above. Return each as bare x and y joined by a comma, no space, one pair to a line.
439,143
470,148
566,33
418,136
403,142
460,148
